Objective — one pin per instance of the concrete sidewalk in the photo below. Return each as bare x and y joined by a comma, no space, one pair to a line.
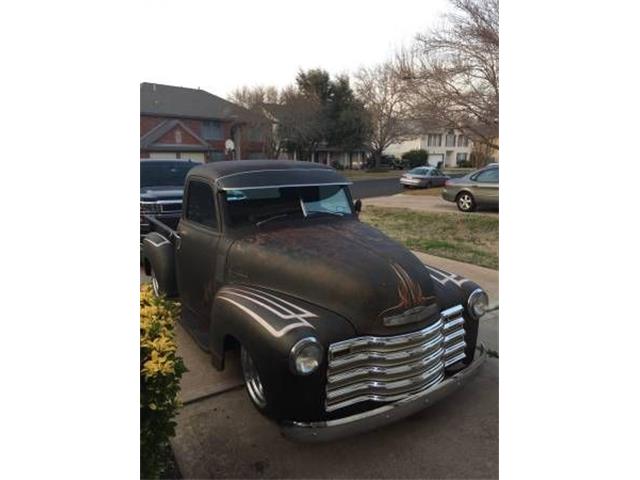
421,203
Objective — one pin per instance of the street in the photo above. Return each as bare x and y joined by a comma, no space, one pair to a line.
375,188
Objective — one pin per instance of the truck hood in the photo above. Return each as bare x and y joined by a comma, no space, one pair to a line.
150,194
342,265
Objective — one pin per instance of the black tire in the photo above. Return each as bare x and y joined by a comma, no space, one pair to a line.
465,202
252,381
428,185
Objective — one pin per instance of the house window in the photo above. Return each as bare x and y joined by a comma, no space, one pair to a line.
461,158
200,204
434,140
212,130
450,140
463,141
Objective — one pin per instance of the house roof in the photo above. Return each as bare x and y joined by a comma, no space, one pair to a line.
158,99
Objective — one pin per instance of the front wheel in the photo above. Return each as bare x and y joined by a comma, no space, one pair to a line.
466,202
252,380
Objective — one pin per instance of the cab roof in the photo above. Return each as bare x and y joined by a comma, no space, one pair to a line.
247,174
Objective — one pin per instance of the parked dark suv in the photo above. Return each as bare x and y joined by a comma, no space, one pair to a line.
161,187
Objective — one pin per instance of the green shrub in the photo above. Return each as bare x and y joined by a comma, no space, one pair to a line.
160,372
416,158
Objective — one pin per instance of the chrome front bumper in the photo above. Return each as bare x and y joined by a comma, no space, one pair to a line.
390,413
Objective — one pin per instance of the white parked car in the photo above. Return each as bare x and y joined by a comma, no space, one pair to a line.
423,177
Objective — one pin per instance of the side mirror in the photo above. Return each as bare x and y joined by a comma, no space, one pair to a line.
357,206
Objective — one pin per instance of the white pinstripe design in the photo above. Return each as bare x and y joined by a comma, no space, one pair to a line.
445,277
268,302
164,242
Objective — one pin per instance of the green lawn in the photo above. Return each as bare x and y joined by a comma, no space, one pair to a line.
431,192
465,237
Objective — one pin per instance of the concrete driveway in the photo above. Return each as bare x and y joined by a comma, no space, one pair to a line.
220,435
422,203
225,437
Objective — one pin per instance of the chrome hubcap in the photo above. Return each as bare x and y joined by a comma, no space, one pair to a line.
465,202
252,380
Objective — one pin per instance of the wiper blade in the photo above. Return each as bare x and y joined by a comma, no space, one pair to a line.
326,212
274,217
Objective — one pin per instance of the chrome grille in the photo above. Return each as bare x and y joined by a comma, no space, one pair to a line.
386,369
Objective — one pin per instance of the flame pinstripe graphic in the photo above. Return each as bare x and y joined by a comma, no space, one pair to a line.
282,309
409,291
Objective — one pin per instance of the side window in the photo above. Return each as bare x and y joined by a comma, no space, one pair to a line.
200,204
488,176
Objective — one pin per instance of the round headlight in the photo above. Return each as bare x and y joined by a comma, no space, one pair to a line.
305,356
478,303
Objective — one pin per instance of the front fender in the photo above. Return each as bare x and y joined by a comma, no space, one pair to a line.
268,324
451,289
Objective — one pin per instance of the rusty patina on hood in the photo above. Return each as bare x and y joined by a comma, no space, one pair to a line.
343,265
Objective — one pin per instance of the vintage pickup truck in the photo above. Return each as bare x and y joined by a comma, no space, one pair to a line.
340,328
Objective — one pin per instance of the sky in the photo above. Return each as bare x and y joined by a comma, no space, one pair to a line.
221,45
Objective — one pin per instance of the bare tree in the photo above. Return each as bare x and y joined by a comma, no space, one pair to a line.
381,92
252,97
451,73
298,123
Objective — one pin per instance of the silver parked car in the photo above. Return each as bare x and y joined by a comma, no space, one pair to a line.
423,177
479,188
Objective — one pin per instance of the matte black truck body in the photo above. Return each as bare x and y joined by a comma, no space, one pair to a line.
270,255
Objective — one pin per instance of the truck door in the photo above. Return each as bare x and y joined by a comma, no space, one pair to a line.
196,255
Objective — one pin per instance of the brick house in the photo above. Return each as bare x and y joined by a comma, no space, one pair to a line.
178,122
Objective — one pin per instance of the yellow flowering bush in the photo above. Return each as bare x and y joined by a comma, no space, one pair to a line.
160,372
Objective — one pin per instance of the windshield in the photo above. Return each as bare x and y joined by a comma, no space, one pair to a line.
261,205
164,173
